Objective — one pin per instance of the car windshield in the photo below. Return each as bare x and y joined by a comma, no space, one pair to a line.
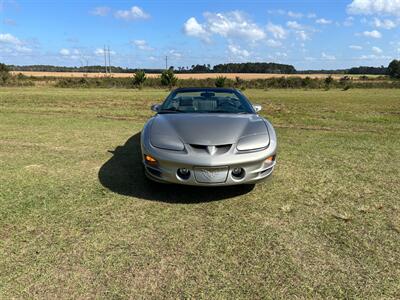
206,101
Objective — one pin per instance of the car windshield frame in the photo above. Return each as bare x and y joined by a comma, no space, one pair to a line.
206,100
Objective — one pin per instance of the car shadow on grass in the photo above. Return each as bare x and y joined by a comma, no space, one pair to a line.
123,174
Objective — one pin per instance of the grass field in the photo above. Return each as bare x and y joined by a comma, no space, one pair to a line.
244,76
77,219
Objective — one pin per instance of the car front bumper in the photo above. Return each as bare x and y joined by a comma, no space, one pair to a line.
208,170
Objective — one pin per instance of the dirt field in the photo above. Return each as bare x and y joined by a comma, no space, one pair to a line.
180,76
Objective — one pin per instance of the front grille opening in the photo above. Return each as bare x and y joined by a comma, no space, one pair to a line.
199,146
154,172
221,149
266,171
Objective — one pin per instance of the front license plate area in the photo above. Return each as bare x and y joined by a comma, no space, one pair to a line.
211,175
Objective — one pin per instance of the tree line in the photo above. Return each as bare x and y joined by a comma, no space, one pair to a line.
272,68
220,68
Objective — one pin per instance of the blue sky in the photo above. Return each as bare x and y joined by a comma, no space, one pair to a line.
310,34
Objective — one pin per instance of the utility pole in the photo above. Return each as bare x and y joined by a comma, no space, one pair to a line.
166,62
109,60
105,58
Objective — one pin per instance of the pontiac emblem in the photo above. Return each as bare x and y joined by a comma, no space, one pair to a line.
211,150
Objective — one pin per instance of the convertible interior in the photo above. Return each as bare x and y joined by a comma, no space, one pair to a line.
206,102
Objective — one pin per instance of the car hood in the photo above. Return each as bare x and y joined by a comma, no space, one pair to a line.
206,129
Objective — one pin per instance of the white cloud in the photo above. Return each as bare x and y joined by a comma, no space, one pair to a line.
385,24
294,25
101,11
355,47
323,21
142,45
22,49
328,56
295,14
372,34
277,31
311,16
377,50
237,51
277,12
134,13
231,25
273,43
175,54
64,52
302,35
193,28
373,57
12,44
9,39
100,52
72,54
369,7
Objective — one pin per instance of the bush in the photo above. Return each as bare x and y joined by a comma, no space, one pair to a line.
4,68
394,69
4,74
168,78
139,78
344,83
220,81
328,82
238,82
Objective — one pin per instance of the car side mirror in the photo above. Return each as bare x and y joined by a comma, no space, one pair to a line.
257,107
156,107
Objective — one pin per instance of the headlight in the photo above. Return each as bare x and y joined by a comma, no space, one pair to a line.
253,142
166,142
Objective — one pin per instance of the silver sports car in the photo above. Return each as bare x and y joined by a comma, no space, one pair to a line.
208,136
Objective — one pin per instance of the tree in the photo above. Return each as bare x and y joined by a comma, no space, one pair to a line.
220,81
4,74
394,69
139,78
168,78
328,81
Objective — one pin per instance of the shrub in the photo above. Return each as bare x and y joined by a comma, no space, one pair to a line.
238,82
168,78
220,81
394,69
328,82
4,74
139,78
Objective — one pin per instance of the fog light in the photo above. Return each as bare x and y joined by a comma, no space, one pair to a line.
150,160
238,173
183,173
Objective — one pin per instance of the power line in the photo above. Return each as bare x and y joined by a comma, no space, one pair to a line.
105,58
109,60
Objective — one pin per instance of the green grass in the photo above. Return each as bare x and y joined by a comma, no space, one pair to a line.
79,221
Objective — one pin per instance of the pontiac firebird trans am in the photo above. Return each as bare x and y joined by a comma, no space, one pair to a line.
208,137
